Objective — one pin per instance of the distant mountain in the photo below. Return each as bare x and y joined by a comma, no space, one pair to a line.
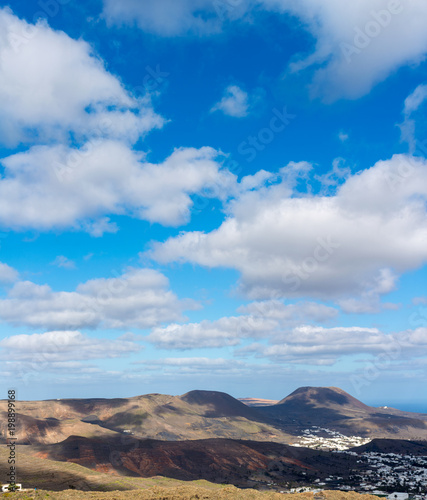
210,414
328,397
213,404
333,408
195,415
255,402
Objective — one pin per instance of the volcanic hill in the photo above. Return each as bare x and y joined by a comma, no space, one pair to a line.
333,408
242,463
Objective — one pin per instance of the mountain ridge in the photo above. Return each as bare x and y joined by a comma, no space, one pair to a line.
202,414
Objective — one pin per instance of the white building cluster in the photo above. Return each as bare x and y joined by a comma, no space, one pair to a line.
405,473
328,440
395,476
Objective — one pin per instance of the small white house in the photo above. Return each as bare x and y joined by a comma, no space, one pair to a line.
398,496
5,487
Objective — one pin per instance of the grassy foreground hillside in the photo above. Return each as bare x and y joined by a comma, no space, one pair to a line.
187,492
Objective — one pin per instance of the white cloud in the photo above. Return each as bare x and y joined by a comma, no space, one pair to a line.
284,335
339,173
64,262
174,17
413,118
259,320
64,346
369,302
330,344
7,274
139,298
57,187
51,85
342,136
419,300
193,365
219,333
235,102
414,100
349,244
289,314
357,44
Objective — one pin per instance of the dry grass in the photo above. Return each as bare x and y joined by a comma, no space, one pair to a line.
187,492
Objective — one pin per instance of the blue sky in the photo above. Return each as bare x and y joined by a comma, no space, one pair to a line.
226,195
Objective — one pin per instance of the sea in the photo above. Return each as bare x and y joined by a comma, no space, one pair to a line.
413,407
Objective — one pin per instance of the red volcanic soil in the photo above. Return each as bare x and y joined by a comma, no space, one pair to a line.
216,460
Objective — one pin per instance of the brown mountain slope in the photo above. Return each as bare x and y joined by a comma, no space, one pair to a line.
52,430
195,415
213,404
324,396
333,408
210,414
44,474
397,446
242,463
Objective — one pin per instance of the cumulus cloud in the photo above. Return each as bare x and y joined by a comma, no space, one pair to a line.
289,334
64,346
258,320
290,314
327,345
139,298
356,45
235,102
58,187
52,85
339,173
7,274
220,333
55,91
369,301
307,341
352,243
